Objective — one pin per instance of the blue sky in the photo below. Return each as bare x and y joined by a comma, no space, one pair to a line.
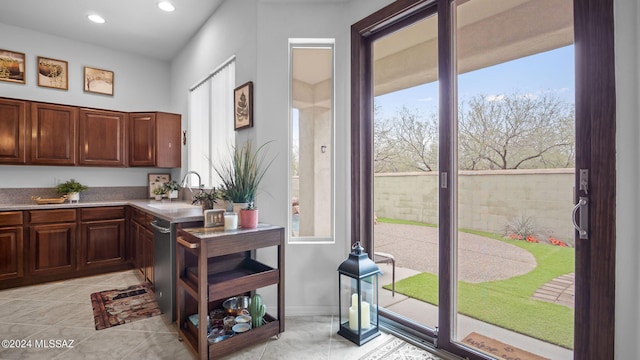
551,71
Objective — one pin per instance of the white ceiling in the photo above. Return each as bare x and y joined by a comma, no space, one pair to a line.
135,26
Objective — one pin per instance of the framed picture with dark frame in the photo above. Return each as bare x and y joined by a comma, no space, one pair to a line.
243,106
12,66
157,180
98,81
53,73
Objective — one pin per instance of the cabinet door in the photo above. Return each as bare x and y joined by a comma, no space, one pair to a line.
168,147
11,254
53,134
142,139
102,243
102,138
147,238
52,249
13,125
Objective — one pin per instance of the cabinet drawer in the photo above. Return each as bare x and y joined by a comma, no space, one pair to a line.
52,216
102,213
10,218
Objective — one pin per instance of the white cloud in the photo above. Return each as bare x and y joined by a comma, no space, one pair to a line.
494,97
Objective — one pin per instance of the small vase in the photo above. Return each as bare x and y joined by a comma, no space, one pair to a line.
249,219
173,194
159,197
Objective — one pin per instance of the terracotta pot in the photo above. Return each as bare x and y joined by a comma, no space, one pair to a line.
248,219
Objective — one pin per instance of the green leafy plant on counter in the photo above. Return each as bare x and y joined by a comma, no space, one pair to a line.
70,186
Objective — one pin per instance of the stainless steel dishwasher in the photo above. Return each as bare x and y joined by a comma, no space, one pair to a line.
164,266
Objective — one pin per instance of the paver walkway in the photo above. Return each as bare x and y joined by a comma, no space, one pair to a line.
560,290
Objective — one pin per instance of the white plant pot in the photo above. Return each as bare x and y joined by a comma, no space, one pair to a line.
75,196
173,194
159,197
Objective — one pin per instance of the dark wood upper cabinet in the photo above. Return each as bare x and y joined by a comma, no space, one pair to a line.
53,134
13,125
102,138
154,140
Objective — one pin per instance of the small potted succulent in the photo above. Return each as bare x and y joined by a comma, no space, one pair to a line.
249,217
72,189
171,188
158,191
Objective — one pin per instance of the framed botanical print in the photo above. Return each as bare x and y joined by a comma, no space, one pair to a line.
12,66
243,106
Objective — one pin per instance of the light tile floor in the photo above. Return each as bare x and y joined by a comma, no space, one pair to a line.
62,311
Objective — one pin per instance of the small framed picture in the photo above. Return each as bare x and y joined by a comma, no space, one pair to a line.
53,73
12,66
213,217
156,181
243,106
98,81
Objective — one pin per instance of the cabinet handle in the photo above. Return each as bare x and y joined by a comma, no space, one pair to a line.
180,240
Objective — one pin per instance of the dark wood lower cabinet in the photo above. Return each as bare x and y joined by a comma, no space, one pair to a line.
11,248
38,246
102,243
52,249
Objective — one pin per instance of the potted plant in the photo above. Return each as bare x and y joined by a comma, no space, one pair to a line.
171,188
249,217
206,198
72,189
158,191
241,175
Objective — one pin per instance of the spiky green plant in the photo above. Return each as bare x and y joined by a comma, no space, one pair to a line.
242,174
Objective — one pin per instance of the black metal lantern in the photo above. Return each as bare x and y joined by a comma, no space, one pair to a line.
358,300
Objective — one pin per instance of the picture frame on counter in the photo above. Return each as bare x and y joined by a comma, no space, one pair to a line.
98,81
12,66
157,180
53,73
243,106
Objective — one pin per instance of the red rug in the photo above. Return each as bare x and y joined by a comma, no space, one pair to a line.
121,306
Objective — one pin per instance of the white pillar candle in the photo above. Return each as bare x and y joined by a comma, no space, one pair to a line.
353,318
365,311
230,221
354,300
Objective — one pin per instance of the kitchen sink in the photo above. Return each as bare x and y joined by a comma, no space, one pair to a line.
174,206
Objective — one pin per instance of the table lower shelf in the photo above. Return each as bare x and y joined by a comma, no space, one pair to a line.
234,343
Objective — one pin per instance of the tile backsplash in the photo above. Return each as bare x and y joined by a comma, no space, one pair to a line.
23,195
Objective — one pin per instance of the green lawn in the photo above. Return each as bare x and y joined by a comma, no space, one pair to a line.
507,303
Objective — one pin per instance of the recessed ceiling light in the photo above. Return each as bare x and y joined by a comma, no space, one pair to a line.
96,18
166,6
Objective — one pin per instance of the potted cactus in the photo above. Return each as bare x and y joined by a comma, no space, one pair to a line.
257,311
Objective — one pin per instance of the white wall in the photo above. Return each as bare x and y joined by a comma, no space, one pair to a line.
627,33
140,84
257,33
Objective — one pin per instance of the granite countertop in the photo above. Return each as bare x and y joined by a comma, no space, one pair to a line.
174,211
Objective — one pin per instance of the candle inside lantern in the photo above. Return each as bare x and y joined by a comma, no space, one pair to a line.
364,313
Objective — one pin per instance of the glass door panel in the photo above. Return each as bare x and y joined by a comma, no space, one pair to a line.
514,251
405,154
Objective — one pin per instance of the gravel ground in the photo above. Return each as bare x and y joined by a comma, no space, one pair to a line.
480,259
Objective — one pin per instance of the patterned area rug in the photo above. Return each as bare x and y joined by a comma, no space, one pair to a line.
397,349
121,306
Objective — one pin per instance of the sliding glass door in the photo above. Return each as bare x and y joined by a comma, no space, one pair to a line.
471,144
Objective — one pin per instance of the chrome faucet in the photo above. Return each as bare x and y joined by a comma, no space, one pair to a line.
184,180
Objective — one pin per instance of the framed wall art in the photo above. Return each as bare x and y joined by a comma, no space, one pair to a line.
243,106
98,81
12,66
155,181
53,73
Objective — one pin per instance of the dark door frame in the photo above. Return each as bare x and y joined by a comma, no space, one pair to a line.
595,150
